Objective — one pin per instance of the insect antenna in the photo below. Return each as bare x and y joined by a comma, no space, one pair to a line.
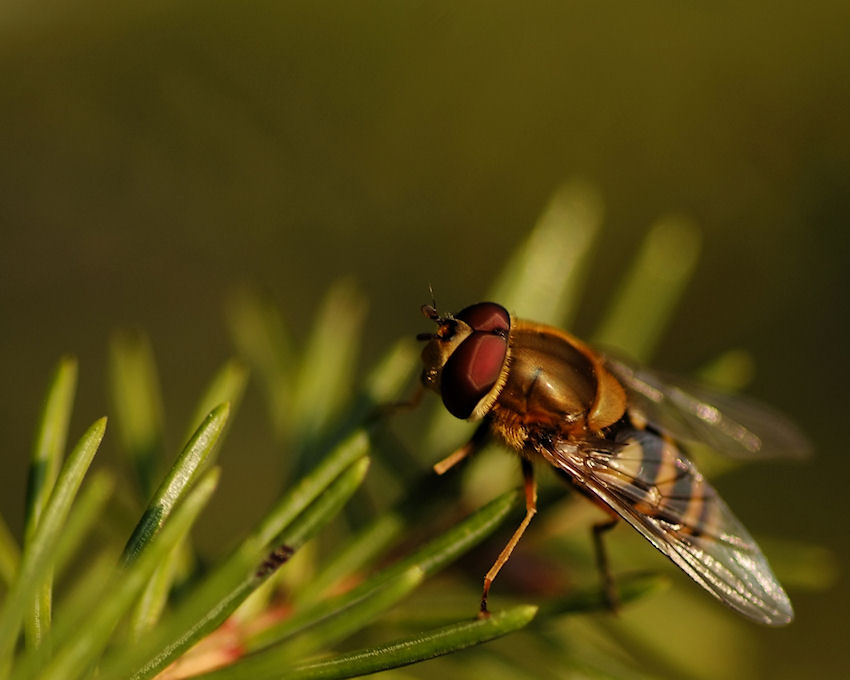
430,311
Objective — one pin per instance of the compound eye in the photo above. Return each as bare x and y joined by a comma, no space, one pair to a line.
486,316
471,372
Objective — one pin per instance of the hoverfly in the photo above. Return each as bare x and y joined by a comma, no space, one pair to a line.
613,430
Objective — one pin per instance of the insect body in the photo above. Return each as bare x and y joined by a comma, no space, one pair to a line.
612,430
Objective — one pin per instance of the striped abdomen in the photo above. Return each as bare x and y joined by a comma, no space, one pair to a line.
651,473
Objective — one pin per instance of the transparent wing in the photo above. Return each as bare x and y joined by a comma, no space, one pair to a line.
729,424
646,480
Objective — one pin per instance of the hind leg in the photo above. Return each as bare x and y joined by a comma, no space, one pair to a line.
608,587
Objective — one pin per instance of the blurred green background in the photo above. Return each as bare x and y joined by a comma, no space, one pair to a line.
154,155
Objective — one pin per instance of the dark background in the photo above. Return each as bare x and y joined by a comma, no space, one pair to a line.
153,156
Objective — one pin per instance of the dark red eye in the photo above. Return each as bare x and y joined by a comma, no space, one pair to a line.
486,316
471,371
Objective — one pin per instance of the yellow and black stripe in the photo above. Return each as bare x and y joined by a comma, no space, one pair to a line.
651,473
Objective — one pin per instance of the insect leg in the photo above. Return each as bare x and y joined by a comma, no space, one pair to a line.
530,510
605,575
479,438
382,411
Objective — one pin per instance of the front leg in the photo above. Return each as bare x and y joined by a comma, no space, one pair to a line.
477,442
